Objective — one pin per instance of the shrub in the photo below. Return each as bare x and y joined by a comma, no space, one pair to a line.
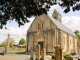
3,44
11,44
52,55
65,55
13,47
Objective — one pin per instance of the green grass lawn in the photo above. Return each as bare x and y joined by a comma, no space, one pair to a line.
18,51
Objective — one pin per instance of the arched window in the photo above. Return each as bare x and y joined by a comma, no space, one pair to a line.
38,26
42,25
64,39
70,41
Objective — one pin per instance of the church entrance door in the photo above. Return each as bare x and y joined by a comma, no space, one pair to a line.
41,44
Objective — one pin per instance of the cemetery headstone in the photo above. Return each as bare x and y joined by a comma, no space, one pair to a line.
58,53
38,52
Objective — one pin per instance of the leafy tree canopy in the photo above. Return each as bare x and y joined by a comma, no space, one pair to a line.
20,10
3,44
77,32
22,41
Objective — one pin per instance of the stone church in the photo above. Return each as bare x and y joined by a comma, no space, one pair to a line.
48,31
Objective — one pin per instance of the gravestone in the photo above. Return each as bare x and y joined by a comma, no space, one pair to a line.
43,54
58,53
69,58
38,52
32,55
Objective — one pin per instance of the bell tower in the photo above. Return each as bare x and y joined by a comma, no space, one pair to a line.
57,15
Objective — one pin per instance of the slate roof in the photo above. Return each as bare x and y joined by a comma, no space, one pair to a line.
61,26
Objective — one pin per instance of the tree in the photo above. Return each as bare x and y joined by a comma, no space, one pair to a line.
20,10
22,41
77,32
11,40
3,44
11,44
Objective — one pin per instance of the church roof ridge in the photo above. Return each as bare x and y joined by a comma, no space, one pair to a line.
61,26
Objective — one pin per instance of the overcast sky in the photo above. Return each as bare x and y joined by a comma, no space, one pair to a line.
71,20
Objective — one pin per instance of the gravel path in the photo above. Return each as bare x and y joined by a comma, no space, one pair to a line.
14,57
18,57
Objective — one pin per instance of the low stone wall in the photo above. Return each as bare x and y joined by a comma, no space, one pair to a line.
3,49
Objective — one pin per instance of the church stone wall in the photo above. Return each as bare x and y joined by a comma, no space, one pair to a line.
51,34
34,25
50,41
30,41
47,23
76,44
69,42
65,42
47,31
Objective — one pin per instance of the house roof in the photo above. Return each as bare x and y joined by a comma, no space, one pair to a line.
61,26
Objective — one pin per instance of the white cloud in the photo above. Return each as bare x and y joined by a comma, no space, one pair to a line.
72,22
52,9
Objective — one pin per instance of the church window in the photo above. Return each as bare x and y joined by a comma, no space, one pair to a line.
42,25
64,40
70,41
38,26
55,17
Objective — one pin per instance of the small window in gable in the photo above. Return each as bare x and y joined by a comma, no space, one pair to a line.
38,26
55,17
42,25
